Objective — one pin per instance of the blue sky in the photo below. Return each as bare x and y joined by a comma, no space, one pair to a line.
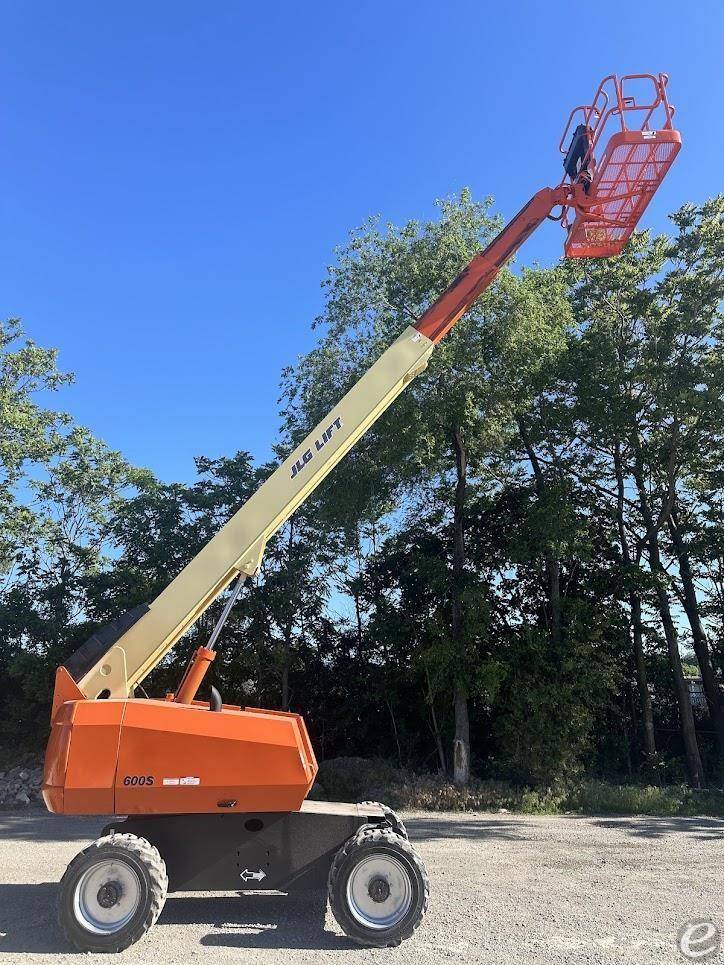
175,176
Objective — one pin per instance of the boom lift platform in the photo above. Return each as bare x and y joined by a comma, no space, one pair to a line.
214,796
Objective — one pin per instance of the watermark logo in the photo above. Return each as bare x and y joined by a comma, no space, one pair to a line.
699,940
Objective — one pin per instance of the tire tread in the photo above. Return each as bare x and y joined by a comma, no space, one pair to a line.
392,817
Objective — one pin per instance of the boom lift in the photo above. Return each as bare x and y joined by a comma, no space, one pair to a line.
215,795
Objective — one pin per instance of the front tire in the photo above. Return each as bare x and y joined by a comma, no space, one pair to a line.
378,888
112,893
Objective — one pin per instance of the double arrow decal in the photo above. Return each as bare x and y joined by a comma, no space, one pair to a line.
247,875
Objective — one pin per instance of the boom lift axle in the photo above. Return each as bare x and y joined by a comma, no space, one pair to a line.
215,794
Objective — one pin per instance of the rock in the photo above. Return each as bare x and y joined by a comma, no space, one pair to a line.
20,785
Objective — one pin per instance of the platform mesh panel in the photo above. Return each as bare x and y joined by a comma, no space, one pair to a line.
636,169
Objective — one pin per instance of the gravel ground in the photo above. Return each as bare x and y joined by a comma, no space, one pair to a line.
505,889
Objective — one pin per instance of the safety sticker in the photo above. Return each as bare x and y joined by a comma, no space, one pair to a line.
175,781
167,781
190,780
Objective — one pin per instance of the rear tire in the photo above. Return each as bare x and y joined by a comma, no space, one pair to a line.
378,888
112,893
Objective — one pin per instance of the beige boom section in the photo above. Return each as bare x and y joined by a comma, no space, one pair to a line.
238,547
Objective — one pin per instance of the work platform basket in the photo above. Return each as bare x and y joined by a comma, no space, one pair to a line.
620,148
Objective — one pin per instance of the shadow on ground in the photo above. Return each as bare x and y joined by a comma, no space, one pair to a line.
262,921
478,828
27,919
28,924
701,829
516,827
37,824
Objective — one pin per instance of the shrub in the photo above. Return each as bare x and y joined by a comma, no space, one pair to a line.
360,779
597,797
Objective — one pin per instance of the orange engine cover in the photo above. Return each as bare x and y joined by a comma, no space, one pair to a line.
141,756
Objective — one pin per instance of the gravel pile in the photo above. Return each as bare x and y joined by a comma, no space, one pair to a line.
20,786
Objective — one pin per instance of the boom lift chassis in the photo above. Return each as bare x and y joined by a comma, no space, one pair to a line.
215,795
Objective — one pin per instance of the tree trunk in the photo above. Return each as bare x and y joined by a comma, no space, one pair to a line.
435,726
394,731
553,570
285,686
647,714
552,563
686,715
628,699
461,742
701,644
642,683
358,604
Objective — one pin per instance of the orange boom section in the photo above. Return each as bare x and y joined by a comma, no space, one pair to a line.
161,757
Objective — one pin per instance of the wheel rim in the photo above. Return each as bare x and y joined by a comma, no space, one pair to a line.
379,891
107,897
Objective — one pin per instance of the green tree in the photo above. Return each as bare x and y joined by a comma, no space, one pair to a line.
649,398
439,438
44,612
30,434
